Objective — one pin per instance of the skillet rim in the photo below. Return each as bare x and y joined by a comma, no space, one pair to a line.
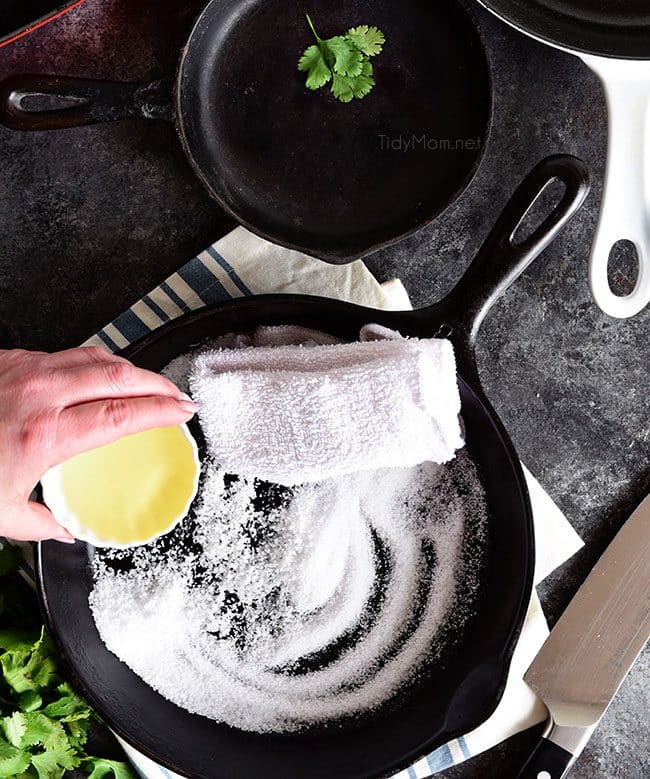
634,49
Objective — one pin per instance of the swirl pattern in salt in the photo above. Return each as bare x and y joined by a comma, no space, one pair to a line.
274,610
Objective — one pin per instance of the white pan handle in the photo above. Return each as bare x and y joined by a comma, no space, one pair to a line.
625,209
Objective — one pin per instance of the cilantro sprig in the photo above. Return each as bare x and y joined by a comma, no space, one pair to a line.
344,60
44,723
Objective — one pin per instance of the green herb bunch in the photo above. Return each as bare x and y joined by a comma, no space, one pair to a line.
43,722
344,60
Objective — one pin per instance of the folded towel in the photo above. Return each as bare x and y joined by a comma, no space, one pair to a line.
291,413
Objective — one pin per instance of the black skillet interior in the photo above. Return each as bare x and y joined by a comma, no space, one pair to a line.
459,690
297,167
612,29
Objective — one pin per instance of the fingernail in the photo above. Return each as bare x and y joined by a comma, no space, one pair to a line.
65,539
189,405
185,396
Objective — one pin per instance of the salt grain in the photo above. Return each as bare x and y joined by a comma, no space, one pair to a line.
275,609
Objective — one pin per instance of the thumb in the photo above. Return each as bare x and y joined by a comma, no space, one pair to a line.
38,524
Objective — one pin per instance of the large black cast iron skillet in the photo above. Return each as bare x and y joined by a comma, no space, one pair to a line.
460,690
300,168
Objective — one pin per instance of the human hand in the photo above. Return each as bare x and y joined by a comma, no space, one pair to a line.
54,406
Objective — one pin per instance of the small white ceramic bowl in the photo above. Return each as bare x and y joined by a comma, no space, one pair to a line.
54,498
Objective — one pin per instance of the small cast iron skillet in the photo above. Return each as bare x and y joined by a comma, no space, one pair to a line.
459,690
296,167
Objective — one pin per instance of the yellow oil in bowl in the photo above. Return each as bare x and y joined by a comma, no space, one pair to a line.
128,492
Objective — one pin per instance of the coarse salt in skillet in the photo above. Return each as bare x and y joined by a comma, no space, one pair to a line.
274,608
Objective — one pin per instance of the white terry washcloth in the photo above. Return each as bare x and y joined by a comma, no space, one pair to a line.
291,414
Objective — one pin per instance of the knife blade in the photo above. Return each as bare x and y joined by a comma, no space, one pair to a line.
592,647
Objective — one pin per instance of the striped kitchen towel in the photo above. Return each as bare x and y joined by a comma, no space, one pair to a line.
242,264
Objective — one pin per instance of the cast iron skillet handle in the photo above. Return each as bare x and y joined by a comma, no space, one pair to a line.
501,261
81,101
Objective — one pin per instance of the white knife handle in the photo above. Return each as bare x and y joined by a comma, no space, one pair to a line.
555,752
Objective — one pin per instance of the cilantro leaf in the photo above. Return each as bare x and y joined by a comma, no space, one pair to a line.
69,707
46,769
65,688
314,63
41,668
369,40
29,667
30,700
13,761
346,59
77,733
343,60
40,729
43,721
105,768
13,667
344,88
364,82
13,728
55,762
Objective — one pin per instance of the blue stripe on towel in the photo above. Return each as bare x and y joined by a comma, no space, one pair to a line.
108,341
178,300
204,283
232,273
155,308
464,748
440,759
131,326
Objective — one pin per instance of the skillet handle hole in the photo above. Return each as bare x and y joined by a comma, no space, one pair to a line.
548,199
623,268
38,102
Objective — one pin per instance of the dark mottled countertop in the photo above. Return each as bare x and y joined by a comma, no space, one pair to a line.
93,218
